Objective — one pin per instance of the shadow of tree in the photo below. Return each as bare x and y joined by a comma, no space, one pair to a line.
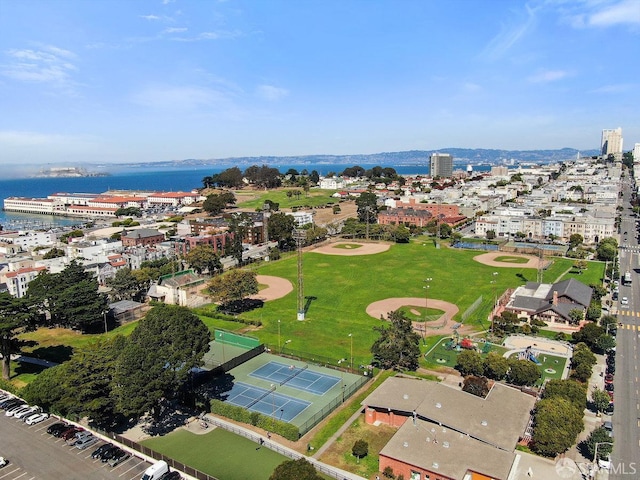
54,353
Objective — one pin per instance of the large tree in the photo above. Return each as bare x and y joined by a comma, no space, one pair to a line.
204,258
82,386
495,366
157,359
216,203
367,204
523,372
233,286
280,226
299,469
605,443
548,439
572,390
469,362
15,317
398,346
126,286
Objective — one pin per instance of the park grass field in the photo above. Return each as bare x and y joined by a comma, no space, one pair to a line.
313,198
338,290
219,453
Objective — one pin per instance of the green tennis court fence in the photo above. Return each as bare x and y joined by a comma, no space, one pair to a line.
230,338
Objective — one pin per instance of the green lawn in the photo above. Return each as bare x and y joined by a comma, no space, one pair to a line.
219,453
315,197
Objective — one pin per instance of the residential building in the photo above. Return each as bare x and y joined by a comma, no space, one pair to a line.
551,303
18,281
441,165
142,236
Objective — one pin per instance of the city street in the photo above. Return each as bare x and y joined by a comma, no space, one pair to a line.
626,419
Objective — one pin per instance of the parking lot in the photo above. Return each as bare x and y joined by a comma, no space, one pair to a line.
34,454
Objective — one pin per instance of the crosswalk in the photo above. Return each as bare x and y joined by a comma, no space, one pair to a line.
627,326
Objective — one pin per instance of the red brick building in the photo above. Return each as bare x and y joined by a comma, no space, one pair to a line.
143,236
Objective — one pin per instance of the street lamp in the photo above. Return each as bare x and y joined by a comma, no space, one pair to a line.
273,401
495,298
351,362
426,308
279,348
285,344
595,454
342,376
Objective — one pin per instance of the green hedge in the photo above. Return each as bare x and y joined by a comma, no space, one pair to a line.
205,312
240,414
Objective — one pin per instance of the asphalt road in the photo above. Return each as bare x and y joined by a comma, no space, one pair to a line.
34,454
626,418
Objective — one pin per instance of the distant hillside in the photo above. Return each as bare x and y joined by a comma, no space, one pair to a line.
472,156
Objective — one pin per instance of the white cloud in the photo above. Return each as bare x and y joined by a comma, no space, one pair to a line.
49,64
548,76
271,93
150,17
604,13
175,30
179,98
510,35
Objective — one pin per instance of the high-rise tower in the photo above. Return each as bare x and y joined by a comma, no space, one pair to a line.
612,143
441,165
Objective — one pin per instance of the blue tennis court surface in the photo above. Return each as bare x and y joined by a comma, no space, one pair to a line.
296,377
267,402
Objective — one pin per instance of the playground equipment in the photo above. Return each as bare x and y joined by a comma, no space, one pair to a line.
529,354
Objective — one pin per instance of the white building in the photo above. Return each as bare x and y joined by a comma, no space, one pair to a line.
441,165
333,183
612,143
18,281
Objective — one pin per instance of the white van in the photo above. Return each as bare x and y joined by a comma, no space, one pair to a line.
155,471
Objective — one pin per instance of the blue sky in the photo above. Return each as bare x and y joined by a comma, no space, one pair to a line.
123,80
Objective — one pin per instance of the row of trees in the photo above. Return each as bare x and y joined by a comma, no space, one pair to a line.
121,378
496,367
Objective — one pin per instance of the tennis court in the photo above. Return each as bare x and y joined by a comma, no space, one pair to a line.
296,377
267,402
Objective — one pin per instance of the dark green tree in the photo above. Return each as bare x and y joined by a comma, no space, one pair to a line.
589,334
495,366
402,234
239,225
126,286
55,252
470,362
216,203
360,449
607,249
233,286
523,372
15,317
204,258
478,386
600,399
398,346
281,227
600,436
548,439
572,390
575,240
157,359
299,469
367,204
605,342
230,178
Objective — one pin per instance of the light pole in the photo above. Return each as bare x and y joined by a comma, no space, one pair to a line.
351,362
104,315
595,454
342,376
426,308
495,298
279,348
285,344
273,402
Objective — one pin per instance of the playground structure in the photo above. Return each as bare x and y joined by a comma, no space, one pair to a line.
457,344
529,354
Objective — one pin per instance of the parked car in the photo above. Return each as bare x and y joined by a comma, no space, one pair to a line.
24,413
608,378
609,409
15,409
97,453
611,369
3,462
70,433
57,427
608,387
624,301
109,454
78,436
173,475
36,418
610,395
85,442
10,403
118,458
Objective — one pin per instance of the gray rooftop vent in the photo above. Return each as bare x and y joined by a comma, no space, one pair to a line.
435,465
438,405
405,396
405,444
445,444
484,423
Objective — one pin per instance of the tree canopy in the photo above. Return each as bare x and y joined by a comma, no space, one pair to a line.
233,286
15,317
157,359
204,258
548,439
398,346
299,469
